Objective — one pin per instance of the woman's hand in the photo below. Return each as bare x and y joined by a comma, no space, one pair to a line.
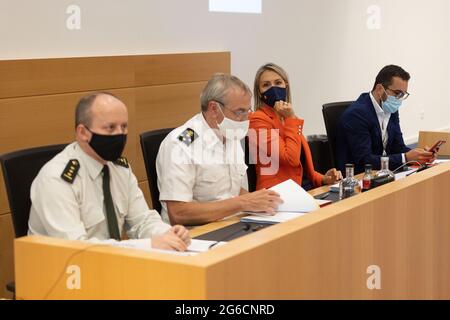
332,176
284,109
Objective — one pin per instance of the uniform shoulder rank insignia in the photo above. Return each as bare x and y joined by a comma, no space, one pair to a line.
70,172
122,161
188,136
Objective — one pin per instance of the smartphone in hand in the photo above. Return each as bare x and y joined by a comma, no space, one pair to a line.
437,145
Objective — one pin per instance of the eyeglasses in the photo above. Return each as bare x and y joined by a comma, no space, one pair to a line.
240,114
399,94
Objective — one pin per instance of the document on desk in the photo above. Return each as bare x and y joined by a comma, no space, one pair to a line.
197,246
296,202
404,174
295,198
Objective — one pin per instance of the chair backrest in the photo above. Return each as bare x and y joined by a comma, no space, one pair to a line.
332,113
19,170
251,168
150,142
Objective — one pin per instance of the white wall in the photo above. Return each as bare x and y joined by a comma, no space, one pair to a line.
325,45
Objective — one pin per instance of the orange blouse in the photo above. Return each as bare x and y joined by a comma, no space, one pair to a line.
291,144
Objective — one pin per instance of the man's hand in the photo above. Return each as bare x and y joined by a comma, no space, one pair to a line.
261,201
182,233
420,155
176,238
332,176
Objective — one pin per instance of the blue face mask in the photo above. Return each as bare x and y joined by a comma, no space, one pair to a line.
273,95
391,105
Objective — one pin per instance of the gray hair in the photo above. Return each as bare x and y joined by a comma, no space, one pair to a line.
218,87
83,114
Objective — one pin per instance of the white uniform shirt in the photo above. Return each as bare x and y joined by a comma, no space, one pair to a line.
201,170
383,120
76,210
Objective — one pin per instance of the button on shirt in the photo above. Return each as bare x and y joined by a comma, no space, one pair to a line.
383,119
202,170
76,210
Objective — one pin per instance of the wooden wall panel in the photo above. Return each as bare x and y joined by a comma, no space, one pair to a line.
34,121
38,98
179,68
21,78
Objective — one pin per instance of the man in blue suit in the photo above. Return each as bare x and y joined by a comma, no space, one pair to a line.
370,127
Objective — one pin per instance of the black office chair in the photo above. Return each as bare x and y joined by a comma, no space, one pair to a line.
19,170
332,112
150,142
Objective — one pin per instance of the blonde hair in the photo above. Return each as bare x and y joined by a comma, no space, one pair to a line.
278,70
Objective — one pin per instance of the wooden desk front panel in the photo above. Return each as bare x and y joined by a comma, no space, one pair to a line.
402,228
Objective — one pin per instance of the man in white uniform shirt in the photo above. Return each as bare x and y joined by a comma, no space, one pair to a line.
88,191
200,165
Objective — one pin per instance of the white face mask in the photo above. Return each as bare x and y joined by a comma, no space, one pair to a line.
231,129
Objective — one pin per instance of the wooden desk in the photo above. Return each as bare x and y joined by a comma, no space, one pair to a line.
402,227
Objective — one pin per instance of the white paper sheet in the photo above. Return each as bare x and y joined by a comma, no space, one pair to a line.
295,198
198,245
404,174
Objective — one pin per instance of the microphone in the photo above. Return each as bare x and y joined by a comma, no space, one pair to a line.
246,227
408,163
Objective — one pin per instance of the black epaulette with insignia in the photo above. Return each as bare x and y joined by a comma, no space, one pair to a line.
122,161
188,136
70,172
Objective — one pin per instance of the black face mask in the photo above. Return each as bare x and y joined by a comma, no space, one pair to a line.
274,94
109,148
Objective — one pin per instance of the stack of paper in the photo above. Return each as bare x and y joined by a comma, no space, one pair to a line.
296,202
295,198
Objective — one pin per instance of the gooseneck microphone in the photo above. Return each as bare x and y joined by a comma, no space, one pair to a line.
408,163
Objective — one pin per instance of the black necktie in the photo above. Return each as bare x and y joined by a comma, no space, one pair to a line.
111,217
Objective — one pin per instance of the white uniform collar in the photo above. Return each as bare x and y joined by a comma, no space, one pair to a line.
207,134
93,166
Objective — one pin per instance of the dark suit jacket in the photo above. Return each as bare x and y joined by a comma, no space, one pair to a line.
359,137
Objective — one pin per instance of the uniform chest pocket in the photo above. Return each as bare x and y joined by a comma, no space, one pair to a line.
92,215
213,174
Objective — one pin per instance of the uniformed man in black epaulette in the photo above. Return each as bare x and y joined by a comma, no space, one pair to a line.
88,191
